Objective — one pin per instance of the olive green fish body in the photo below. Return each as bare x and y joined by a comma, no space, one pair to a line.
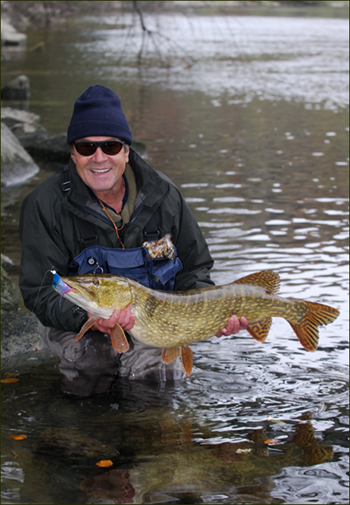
176,319
172,320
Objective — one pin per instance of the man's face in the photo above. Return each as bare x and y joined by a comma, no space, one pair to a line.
100,172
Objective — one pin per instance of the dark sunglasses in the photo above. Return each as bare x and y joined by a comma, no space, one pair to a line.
109,147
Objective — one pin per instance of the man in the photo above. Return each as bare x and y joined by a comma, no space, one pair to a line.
94,217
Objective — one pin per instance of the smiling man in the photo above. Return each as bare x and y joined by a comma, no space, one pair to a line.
95,217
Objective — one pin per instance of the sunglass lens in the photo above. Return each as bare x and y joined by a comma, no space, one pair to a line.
111,148
86,148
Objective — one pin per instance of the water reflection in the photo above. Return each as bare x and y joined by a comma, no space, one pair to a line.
183,474
221,435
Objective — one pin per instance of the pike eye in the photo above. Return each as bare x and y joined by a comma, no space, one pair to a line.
96,282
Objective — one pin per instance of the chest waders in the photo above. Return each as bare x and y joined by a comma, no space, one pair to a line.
136,263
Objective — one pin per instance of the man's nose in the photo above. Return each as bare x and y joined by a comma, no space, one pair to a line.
99,155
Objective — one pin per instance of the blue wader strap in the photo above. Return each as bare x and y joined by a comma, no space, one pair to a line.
133,263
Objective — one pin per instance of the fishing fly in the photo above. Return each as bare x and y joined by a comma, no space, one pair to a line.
58,284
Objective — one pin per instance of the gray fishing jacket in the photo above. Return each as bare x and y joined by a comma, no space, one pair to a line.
51,238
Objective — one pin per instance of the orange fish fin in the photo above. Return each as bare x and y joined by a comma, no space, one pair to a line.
307,329
260,329
90,322
187,359
119,341
169,354
266,279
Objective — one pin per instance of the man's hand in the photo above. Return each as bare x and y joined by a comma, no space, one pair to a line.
123,317
234,325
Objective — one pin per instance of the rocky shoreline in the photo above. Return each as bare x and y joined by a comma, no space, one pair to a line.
19,330
24,144
21,134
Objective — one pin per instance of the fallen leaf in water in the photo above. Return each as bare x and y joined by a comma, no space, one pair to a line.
19,437
105,463
277,421
322,406
271,441
9,381
243,451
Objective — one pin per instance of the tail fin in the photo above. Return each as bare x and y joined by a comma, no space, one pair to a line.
307,329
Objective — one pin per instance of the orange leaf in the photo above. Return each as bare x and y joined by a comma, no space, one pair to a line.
9,381
19,437
104,463
271,441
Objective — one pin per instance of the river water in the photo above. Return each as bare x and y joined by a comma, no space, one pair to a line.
249,117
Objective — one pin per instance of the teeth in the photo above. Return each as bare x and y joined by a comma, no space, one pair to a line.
101,171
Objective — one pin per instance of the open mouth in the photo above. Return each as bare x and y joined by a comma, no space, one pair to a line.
100,171
74,289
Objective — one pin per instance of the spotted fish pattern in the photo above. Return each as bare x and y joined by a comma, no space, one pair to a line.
172,320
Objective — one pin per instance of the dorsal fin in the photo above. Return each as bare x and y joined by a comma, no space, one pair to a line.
266,279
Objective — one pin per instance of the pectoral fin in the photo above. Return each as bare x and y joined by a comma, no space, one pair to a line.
119,341
260,329
90,322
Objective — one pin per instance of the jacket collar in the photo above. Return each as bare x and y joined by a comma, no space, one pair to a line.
151,187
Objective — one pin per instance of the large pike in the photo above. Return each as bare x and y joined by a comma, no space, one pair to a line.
172,320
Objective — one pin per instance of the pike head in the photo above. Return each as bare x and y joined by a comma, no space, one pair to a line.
99,295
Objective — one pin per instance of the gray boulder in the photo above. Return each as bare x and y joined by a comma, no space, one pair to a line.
16,164
10,36
17,89
19,333
34,137
9,293
53,148
25,126
19,330
6,262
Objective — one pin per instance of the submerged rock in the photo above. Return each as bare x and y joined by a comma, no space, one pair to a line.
19,330
19,333
17,89
9,293
74,444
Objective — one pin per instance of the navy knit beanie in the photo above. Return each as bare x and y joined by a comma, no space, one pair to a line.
98,112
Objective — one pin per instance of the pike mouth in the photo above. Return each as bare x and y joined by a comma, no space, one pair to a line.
75,289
